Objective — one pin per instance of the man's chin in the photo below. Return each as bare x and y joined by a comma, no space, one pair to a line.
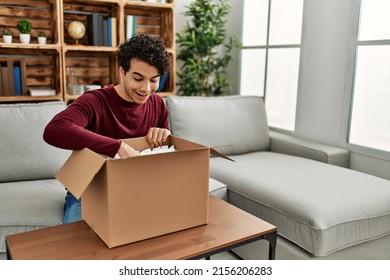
141,99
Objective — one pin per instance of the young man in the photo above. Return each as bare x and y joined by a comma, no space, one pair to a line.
98,119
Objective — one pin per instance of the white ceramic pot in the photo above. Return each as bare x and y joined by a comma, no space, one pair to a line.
7,39
25,38
42,40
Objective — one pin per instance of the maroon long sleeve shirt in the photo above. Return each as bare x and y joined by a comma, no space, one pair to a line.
99,118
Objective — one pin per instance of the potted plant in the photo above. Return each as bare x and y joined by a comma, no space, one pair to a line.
205,49
42,38
7,36
24,27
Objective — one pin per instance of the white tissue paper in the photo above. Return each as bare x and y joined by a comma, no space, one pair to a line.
158,150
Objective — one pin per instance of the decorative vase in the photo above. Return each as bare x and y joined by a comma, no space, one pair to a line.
42,40
25,38
7,39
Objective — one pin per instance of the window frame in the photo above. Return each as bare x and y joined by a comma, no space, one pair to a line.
356,43
268,47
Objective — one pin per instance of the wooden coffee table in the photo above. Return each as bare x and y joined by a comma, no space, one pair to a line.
228,227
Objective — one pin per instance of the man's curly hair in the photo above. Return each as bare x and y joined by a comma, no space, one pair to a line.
146,48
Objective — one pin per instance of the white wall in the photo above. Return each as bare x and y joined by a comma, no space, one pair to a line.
326,74
326,45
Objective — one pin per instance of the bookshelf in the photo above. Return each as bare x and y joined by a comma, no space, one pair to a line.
42,62
61,61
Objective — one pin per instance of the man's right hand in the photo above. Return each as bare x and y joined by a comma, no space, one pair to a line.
126,151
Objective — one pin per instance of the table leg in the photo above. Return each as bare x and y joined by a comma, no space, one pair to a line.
7,251
271,238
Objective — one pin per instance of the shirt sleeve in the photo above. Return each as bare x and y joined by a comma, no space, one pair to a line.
68,129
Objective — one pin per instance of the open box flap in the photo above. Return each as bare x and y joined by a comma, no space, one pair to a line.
79,170
184,143
218,154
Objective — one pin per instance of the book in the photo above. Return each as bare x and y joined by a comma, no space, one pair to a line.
163,81
93,29
23,76
41,91
105,32
17,80
130,26
4,76
109,30
114,32
100,30
11,85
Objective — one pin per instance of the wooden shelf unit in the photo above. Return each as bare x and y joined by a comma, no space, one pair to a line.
48,65
43,62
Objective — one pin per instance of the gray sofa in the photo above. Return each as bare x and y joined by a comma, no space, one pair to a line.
30,197
322,211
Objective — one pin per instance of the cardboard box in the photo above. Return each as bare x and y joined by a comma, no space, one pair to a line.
127,200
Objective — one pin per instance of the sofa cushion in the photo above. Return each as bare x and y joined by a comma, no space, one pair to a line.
237,121
217,189
24,153
320,207
30,205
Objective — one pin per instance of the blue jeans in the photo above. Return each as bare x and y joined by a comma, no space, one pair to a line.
72,209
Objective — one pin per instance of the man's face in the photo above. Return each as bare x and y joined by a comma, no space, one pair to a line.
139,82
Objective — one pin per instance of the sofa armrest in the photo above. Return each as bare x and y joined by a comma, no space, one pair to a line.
288,144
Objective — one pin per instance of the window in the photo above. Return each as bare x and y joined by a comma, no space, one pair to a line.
270,56
370,114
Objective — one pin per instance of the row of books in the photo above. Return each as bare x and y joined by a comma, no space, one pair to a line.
13,78
102,30
13,81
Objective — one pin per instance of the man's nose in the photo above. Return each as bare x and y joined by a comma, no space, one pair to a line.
146,86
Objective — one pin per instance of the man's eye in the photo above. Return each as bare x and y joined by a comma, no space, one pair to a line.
154,81
137,79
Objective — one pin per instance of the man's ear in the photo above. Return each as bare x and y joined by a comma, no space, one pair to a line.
121,72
